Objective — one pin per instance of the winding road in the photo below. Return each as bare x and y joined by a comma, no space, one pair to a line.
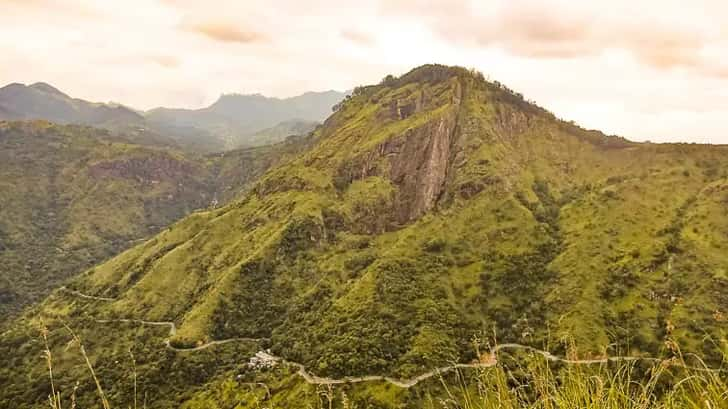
173,332
402,383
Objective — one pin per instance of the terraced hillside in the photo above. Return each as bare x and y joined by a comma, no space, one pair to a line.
432,208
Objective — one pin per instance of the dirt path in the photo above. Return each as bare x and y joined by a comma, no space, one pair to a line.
402,383
88,297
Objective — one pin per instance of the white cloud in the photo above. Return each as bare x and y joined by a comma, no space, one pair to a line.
651,69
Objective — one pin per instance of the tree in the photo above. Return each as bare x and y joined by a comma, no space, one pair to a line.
388,80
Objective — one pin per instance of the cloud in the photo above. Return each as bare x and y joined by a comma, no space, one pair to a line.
660,46
419,9
357,37
224,31
166,61
132,60
521,27
50,9
566,30
717,70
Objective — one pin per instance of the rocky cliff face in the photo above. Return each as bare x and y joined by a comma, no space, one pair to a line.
417,160
418,163
148,169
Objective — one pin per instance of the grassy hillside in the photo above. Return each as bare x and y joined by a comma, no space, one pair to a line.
72,196
433,209
280,132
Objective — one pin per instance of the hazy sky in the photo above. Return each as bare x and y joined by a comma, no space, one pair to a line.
645,69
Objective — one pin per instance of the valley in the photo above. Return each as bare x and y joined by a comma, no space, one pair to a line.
73,196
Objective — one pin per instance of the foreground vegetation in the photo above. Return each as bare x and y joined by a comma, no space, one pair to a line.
520,380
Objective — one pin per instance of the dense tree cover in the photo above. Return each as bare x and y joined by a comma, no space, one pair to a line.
73,196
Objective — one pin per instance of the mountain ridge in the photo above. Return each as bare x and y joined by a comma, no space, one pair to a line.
235,118
418,165
232,122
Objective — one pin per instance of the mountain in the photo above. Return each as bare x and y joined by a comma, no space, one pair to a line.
72,196
235,120
429,212
42,101
280,132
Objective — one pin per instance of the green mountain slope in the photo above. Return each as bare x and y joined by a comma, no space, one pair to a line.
430,209
280,132
72,196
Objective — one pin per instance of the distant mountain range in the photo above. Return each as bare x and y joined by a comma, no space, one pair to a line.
233,121
43,101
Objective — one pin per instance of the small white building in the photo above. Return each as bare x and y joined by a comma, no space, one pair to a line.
263,360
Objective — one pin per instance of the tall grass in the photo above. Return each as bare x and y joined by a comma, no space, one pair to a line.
525,380
540,384
54,399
